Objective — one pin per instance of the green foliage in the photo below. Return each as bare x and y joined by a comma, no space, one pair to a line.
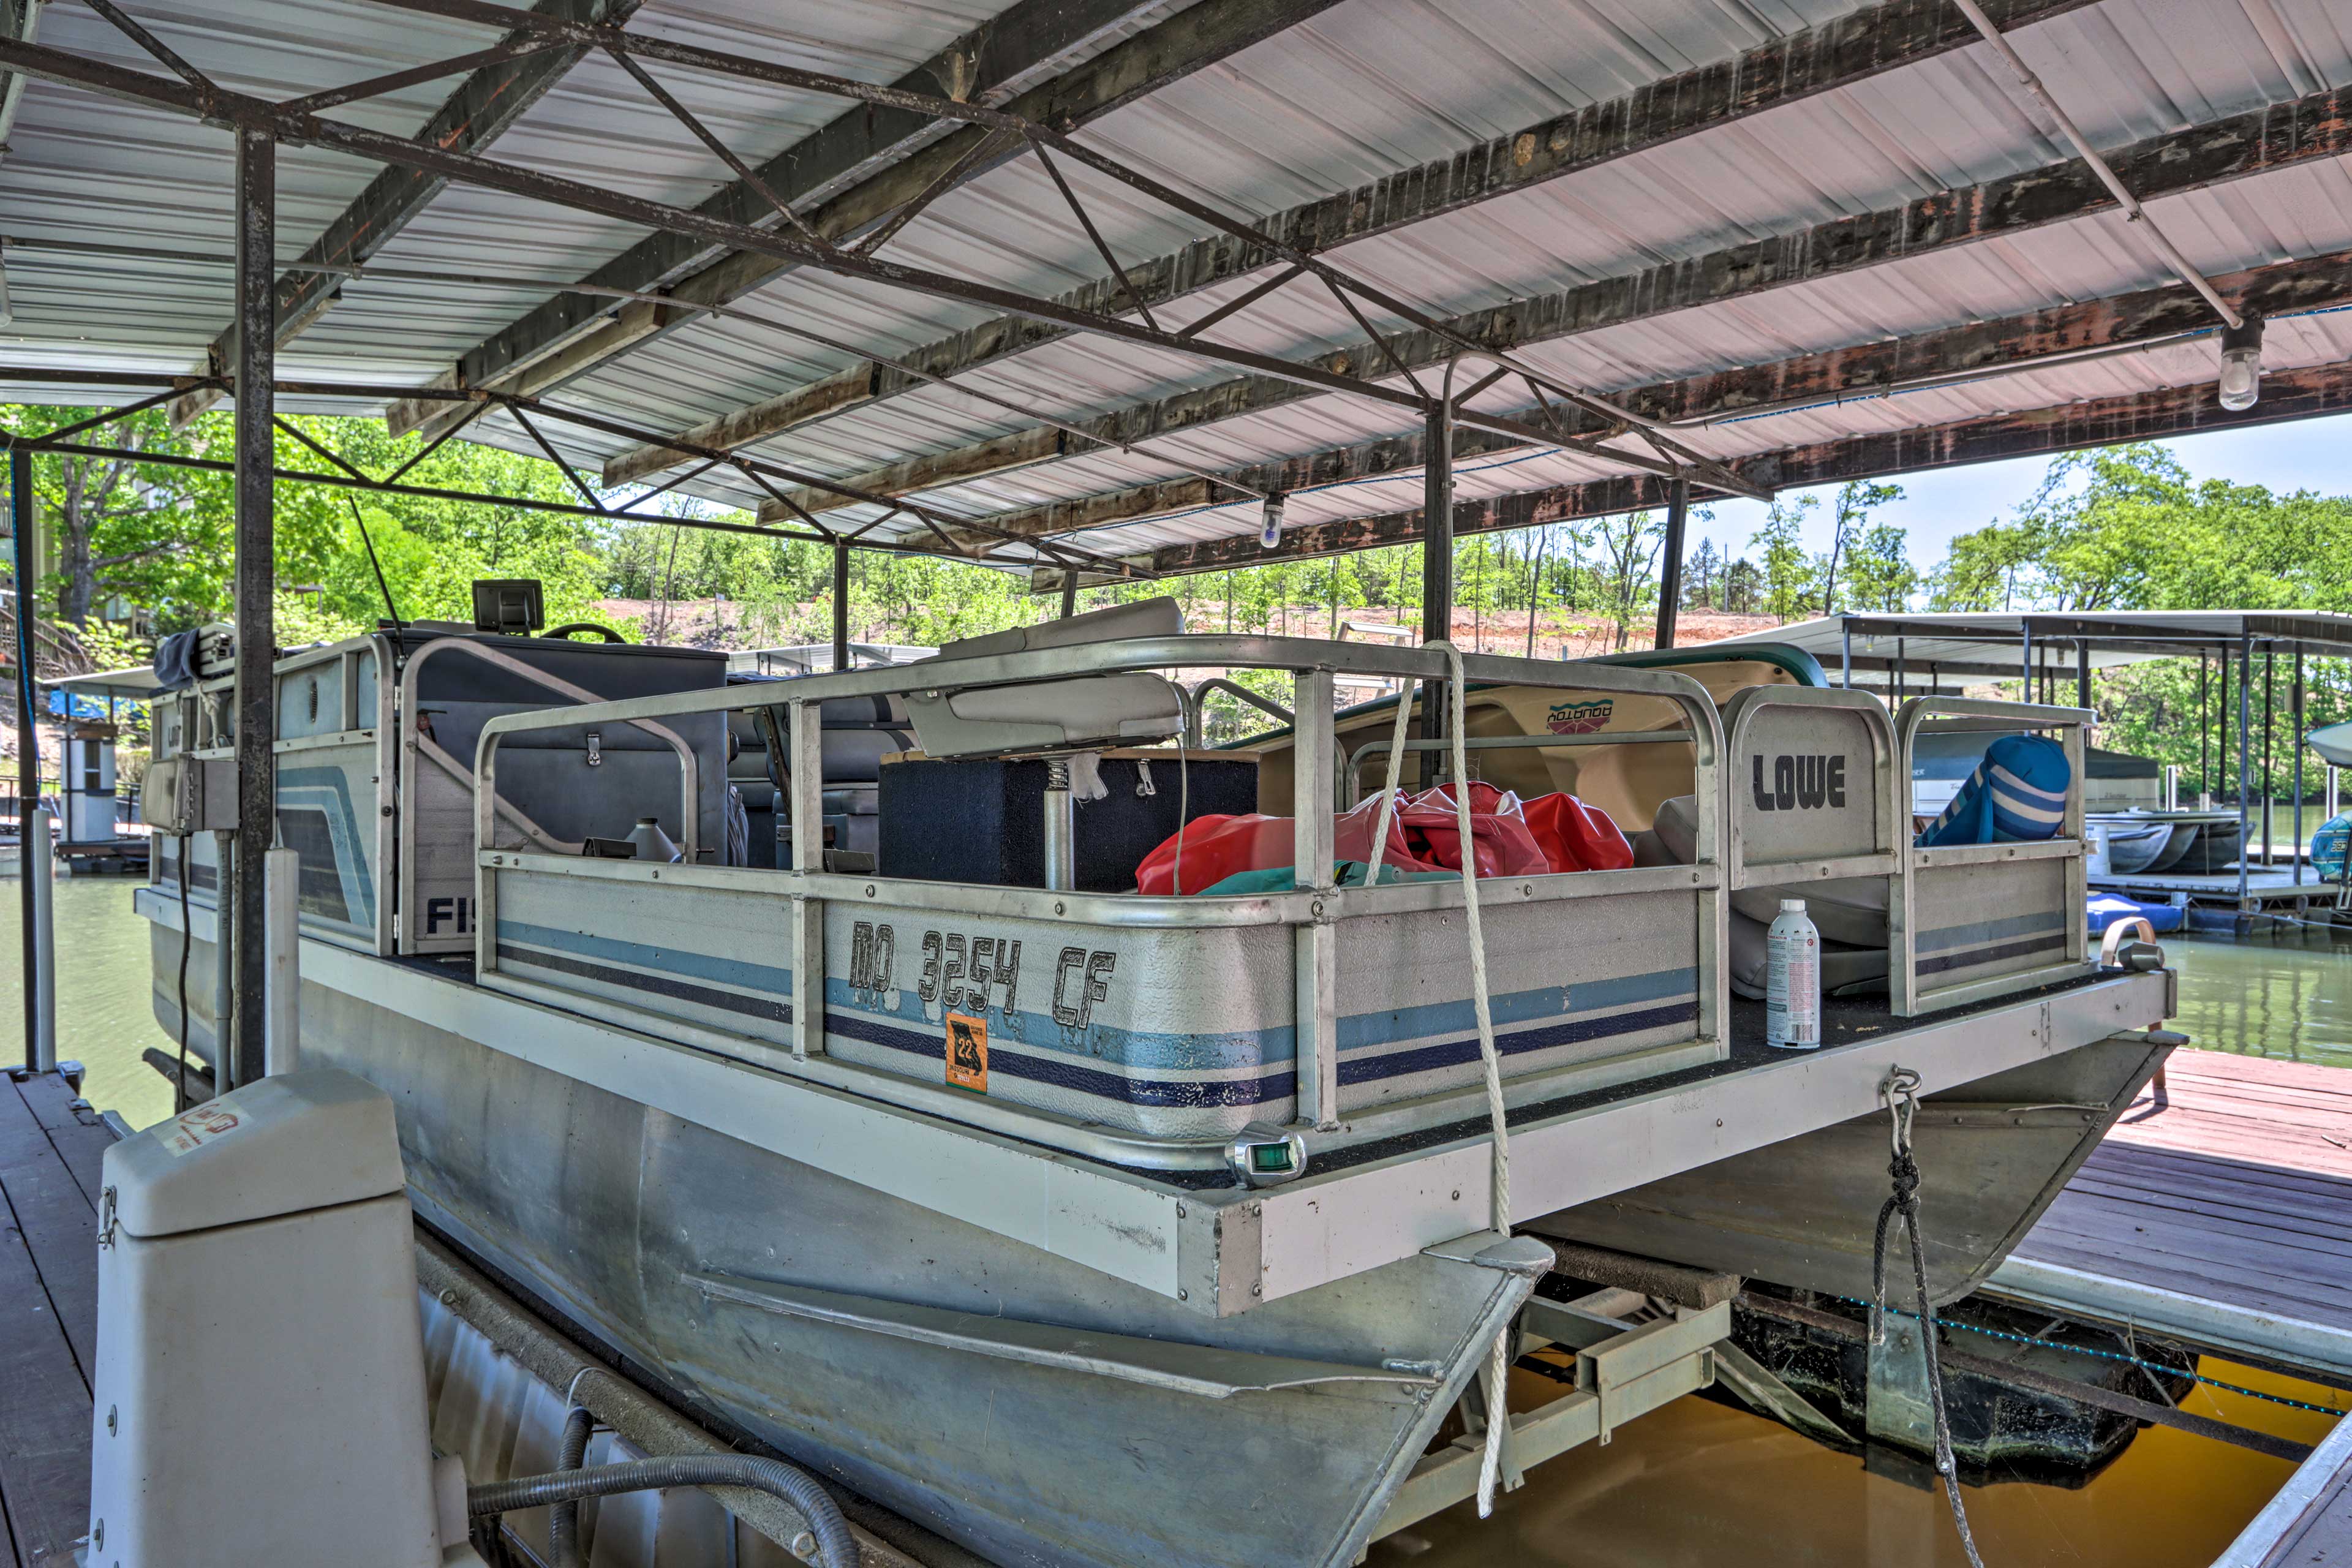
1790,576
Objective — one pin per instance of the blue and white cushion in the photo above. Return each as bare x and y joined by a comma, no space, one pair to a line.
2017,794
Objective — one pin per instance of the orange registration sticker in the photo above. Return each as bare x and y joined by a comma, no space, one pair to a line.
968,1053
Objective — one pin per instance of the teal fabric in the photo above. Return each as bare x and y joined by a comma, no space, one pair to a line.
1280,879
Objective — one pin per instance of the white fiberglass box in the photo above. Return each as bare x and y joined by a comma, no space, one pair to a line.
261,1391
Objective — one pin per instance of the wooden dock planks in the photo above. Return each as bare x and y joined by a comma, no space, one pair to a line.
49,1303
2222,1201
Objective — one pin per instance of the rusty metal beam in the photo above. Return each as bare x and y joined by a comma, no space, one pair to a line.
1857,373
1783,70
852,175
483,105
2162,415
2303,131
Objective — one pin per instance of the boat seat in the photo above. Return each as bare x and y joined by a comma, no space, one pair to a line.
1084,712
1849,911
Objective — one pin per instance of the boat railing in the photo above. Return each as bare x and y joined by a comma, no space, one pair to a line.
1978,920
1796,812
1149,1029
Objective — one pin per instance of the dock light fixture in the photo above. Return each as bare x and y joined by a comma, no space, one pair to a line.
1270,534
2241,362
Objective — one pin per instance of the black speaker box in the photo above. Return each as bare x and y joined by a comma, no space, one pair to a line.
982,820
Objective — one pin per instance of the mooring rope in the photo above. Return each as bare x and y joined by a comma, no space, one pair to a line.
1498,1412
1900,1090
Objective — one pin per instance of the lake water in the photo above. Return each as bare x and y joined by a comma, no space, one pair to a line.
1695,1485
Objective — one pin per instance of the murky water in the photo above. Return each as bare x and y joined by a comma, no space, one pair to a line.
104,1019
1695,1485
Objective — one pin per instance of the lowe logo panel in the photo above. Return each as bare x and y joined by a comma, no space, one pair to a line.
1798,783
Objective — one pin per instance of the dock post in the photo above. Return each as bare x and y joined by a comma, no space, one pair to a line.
841,606
243,1050
28,741
2294,702
281,876
1436,574
37,862
1670,575
2245,755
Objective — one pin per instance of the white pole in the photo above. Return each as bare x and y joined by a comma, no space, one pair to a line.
38,859
2172,786
282,1021
2334,805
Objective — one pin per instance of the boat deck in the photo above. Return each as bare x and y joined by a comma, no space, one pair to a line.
50,1148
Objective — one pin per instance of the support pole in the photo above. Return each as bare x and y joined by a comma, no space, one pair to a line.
2245,757
1436,576
283,937
2025,660
37,859
841,606
1845,652
2204,733
28,741
2082,674
2294,701
2270,778
1670,578
246,1050
1069,592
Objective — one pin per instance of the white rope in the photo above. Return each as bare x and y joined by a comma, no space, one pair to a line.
1498,1414
1388,793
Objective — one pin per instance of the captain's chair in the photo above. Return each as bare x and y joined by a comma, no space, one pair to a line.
1081,713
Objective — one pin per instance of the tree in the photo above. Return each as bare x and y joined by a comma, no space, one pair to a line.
1629,547
1788,574
1855,498
1743,587
1700,576
1879,575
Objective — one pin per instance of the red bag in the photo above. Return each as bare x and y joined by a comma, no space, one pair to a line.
1576,837
1216,847
1500,843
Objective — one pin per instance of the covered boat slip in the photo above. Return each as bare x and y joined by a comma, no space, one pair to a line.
2233,857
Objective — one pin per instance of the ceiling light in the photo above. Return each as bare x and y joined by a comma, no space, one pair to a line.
2241,362
1271,534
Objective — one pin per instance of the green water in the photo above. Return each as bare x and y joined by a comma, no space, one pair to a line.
2266,999
104,1019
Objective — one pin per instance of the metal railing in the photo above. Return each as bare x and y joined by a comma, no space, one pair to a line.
1315,911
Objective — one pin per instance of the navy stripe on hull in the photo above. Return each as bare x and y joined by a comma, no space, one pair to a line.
1455,1053
768,1007
1946,963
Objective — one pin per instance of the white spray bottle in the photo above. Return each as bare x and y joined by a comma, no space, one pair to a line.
1792,985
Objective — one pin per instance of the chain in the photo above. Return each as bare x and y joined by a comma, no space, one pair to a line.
1900,1093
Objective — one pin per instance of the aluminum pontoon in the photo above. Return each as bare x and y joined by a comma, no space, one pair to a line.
1096,1227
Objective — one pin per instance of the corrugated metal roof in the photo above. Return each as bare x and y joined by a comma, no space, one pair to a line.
1364,88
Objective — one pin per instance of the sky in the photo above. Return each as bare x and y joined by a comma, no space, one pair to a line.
2306,454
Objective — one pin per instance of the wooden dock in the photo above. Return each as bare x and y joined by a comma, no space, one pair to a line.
50,1146
2218,1211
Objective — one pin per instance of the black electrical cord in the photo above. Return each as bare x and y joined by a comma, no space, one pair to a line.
187,940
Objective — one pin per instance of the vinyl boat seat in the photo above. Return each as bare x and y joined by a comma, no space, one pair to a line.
1081,713
1849,911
